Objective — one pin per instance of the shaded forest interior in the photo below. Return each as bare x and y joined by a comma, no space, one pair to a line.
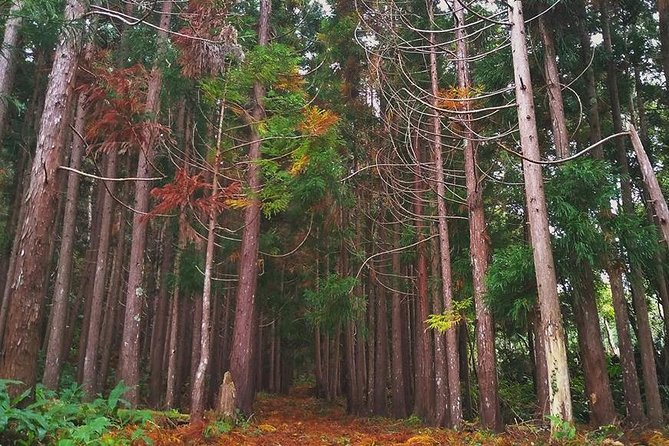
453,211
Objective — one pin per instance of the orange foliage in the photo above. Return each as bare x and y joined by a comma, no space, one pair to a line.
184,191
316,121
455,98
116,101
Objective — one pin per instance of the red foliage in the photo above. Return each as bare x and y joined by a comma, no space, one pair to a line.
116,101
191,191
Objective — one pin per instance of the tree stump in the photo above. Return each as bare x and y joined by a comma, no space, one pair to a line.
226,396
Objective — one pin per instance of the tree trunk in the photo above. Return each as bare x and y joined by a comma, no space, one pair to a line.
129,356
491,416
8,61
111,312
600,399
555,104
26,303
549,305
663,12
242,345
398,378
55,348
197,399
92,341
381,354
447,380
646,347
160,328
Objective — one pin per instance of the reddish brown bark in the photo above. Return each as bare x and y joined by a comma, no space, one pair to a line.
491,417
245,314
129,360
21,343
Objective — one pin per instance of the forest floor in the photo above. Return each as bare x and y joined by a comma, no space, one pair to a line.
301,419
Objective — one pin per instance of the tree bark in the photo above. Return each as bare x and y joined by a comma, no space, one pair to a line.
8,61
129,359
26,303
663,12
491,416
89,384
549,305
55,348
242,346
555,104
398,378
651,389
600,399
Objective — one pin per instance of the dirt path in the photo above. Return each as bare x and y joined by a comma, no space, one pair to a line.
300,419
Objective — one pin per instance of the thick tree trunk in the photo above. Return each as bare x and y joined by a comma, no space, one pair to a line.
129,359
491,417
21,344
549,306
540,364
245,314
55,349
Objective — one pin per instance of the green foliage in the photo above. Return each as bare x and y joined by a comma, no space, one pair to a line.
449,318
511,282
561,430
218,428
65,419
332,302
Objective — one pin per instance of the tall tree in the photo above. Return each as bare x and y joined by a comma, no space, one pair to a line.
21,343
129,355
549,305
241,364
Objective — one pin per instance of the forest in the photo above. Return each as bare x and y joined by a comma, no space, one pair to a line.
394,221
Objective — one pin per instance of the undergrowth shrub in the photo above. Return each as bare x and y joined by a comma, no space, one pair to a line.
65,419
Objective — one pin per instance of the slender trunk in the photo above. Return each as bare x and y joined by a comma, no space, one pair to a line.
129,356
652,185
242,345
549,306
540,364
651,388
423,376
8,61
663,12
598,391
398,378
478,246
21,344
447,375
158,333
555,104
92,341
381,352
111,312
197,399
